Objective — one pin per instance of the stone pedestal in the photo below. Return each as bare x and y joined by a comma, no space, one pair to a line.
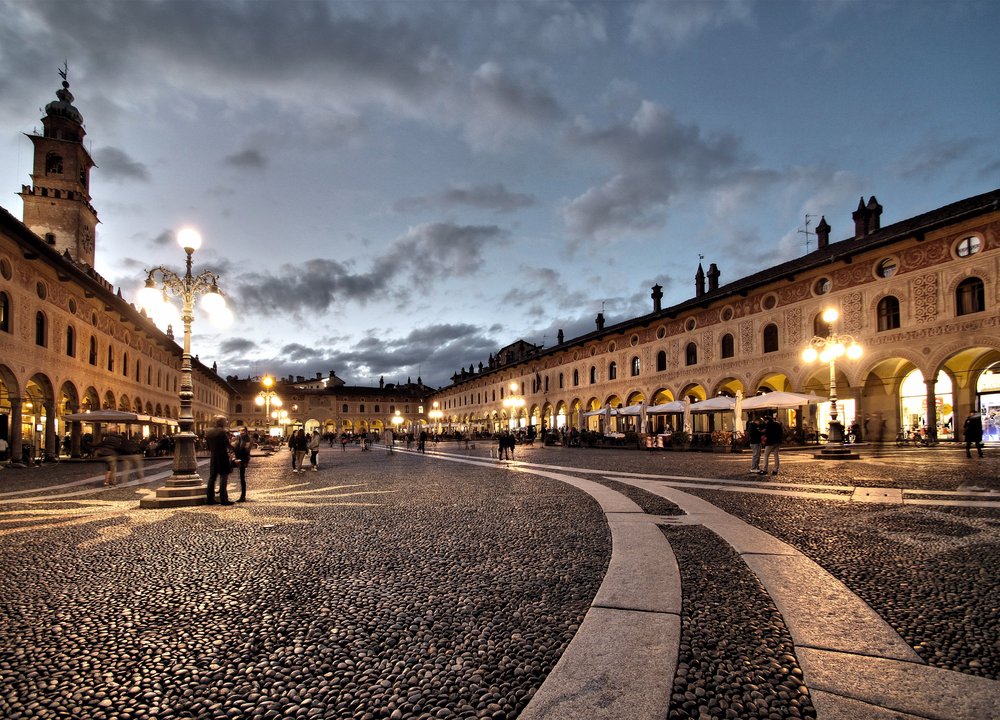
180,491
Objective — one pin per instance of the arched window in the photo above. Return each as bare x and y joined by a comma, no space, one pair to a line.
40,334
970,296
728,346
70,341
239,408
560,381
612,371
576,379
593,374
888,313
635,366
92,357
661,361
771,338
344,408
821,328
111,359
376,408
53,164
691,354
361,408
546,383
4,312
125,364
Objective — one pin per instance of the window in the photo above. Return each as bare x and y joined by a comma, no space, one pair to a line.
691,354
886,268
661,361
888,313
821,328
125,364
771,338
344,408
4,312
40,335
361,408
111,359
968,246
576,379
560,381
546,383
769,302
92,358
822,286
41,290
53,164
970,296
593,374
612,371
70,341
728,346
635,366
376,408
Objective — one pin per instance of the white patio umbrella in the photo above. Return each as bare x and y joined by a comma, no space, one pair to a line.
780,400
738,424
719,403
674,406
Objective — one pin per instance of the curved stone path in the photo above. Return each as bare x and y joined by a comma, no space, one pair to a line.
622,661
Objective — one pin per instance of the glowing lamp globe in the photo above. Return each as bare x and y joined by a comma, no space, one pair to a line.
189,239
810,354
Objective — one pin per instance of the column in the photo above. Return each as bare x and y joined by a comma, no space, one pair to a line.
16,444
75,436
931,409
51,441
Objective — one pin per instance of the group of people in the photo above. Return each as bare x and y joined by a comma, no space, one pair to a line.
299,444
223,455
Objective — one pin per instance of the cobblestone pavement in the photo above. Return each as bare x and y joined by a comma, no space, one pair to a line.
405,586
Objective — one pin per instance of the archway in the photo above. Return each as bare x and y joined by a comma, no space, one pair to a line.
913,404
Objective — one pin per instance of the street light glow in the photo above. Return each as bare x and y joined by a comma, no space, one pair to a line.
830,315
189,239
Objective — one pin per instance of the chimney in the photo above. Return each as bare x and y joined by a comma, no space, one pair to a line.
822,233
713,277
874,215
860,217
560,336
600,321
657,296
699,282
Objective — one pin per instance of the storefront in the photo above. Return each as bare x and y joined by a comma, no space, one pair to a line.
913,405
988,402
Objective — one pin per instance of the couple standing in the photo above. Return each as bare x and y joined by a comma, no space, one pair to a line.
767,433
221,456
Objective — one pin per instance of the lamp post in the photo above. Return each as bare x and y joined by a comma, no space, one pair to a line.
828,349
513,403
185,487
435,415
266,398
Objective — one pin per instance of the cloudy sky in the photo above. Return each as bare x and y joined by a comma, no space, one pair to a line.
400,188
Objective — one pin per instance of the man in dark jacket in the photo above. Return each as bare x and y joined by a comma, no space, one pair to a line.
754,431
774,433
973,433
220,465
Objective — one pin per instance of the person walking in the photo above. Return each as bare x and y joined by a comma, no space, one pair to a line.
243,445
973,429
754,431
220,463
299,445
774,433
314,442
422,441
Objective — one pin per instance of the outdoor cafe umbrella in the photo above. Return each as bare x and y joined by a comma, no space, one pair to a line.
108,416
780,400
674,406
720,403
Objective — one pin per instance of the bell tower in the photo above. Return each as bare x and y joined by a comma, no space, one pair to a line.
57,204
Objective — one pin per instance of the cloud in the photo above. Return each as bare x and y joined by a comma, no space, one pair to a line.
248,159
117,166
438,250
656,156
494,197
237,346
656,23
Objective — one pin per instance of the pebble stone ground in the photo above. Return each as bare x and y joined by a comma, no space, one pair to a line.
401,586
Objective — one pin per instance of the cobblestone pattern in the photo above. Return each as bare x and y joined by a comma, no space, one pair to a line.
444,598
732,664
932,573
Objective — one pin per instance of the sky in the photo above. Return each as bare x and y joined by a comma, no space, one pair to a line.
398,189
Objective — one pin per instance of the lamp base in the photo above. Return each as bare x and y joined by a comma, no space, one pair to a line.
180,491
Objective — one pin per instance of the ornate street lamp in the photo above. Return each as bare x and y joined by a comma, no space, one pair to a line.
266,398
184,487
513,403
435,415
828,349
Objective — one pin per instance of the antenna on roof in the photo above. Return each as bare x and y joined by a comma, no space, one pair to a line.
807,232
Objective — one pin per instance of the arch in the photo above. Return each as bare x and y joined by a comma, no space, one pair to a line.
661,396
124,403
636,397
138,405
729,387
693,390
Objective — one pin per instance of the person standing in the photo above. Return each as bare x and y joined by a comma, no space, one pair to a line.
299,445
973,429
243,445
422,442
314,442
774,433
754,431
220,464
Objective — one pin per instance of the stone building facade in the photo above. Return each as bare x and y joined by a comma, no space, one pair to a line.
68,341
920,296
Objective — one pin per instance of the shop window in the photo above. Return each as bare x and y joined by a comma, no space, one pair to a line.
661,361
888,313
970,296
771,338
728,349
691,354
